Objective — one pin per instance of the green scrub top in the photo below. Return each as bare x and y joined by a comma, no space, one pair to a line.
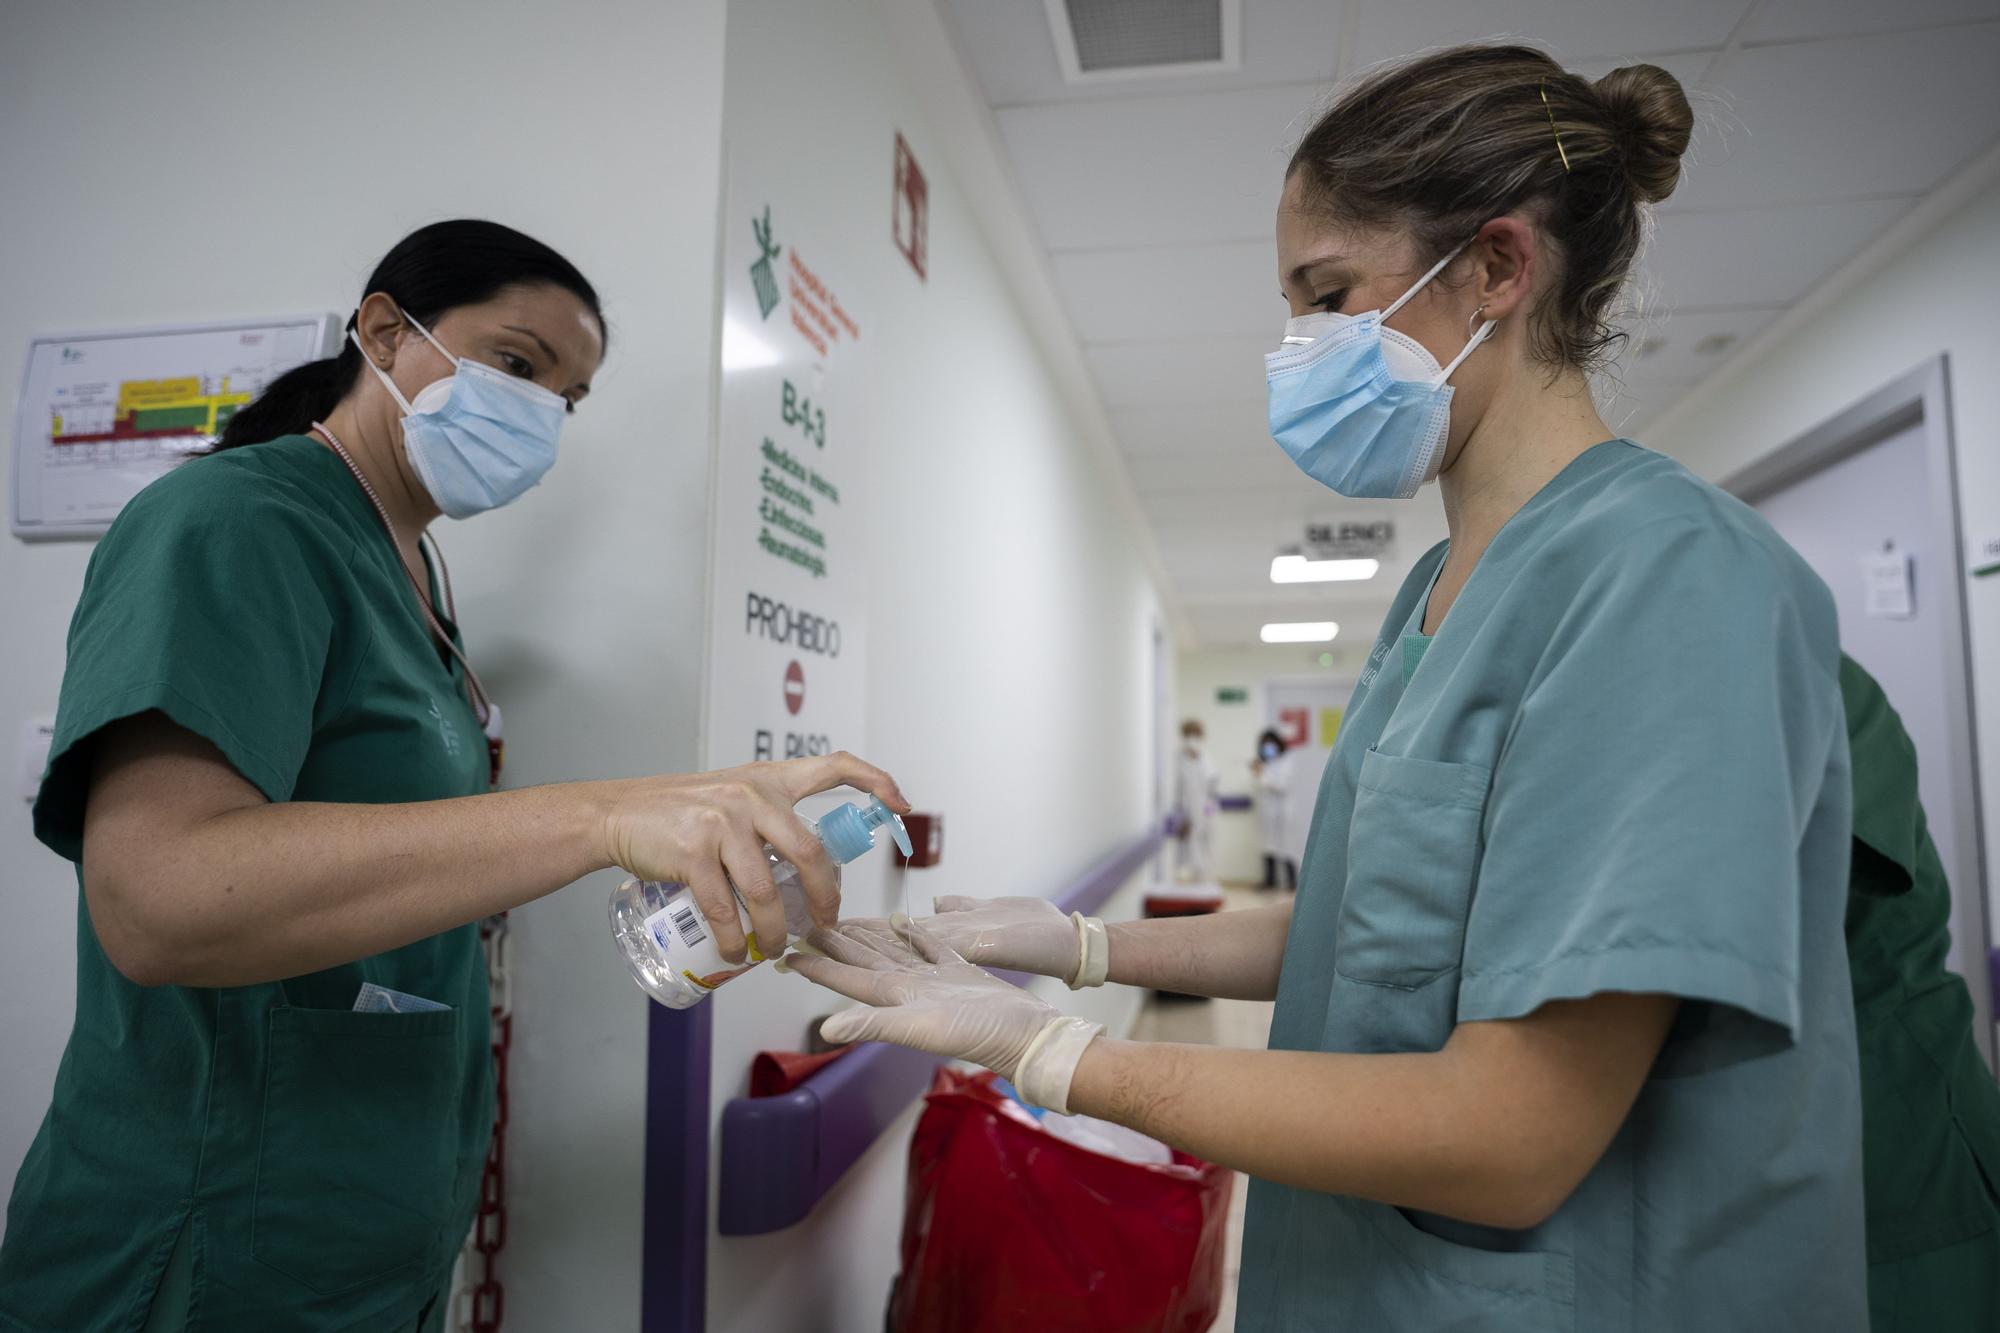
1930,1111
318,1166
1618,766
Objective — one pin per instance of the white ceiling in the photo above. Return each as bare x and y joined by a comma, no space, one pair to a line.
1821,121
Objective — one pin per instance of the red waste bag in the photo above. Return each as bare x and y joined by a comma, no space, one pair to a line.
1007,1228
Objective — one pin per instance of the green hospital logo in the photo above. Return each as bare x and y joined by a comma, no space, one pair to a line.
761,277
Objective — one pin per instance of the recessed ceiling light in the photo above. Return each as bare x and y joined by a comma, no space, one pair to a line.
1300,631
1298,569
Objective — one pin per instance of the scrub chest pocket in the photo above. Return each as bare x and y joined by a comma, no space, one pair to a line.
358,1154
1461,1287
1412,854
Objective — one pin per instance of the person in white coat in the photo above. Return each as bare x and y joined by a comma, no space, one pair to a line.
1194,807
1272,769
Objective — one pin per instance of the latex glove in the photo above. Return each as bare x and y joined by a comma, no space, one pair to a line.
923,994
1023,934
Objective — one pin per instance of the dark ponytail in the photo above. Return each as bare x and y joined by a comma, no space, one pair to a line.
292,402
432,270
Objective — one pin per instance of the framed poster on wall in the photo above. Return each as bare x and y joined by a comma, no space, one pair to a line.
103,414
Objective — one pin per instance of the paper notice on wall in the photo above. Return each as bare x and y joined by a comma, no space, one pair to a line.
1982,555
1889,583
101,415
789,584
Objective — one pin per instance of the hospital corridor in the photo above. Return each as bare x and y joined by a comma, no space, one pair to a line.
1000,666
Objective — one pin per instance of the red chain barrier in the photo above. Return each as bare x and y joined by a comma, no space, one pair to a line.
483,1300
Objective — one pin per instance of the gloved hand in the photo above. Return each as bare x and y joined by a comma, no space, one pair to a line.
1024,934
928,997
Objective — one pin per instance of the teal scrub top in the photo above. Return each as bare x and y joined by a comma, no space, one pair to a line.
318,1167
1619,765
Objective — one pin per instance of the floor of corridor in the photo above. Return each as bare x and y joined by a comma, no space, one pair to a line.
1243,1023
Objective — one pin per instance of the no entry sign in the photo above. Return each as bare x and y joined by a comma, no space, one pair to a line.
795,688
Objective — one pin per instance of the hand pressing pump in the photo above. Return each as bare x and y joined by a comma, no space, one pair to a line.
670,949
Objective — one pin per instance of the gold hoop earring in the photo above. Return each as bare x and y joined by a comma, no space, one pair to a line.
1473,318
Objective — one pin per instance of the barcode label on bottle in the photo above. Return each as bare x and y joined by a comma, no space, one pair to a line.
676,919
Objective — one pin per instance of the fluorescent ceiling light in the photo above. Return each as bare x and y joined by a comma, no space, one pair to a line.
1301,631
1298,569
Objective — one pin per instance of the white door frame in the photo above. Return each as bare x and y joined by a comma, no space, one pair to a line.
1918,398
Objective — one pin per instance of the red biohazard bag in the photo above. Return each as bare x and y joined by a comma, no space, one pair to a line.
1006,1228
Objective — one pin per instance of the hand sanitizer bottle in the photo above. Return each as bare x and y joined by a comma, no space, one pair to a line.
666,940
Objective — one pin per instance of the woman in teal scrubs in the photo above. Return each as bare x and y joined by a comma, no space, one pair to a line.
1563,1037
273,766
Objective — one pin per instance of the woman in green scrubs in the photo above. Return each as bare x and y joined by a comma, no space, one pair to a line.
272,768
1563,1035
1930,1111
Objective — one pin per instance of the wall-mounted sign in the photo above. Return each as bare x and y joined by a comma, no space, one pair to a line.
1350,539
1329,726
910,210
789,578
1889,581
102,414
1984,556
1232,694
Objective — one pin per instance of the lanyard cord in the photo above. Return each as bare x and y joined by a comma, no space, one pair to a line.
482,705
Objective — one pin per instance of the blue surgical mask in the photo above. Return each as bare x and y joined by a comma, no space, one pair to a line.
1359,407
1269,751
478,438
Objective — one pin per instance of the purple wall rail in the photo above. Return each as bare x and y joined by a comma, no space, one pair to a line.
673,1273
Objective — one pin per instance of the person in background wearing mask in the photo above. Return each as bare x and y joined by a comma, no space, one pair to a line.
1563,1035
274,767
1194,807
1272,769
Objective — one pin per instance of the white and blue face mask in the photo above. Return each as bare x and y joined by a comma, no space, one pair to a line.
477,438
1359,407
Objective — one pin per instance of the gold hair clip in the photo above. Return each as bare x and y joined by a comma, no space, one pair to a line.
1563,152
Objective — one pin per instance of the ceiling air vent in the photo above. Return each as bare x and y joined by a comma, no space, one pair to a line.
1098,41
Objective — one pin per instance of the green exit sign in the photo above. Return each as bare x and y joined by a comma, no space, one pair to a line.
1232,694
